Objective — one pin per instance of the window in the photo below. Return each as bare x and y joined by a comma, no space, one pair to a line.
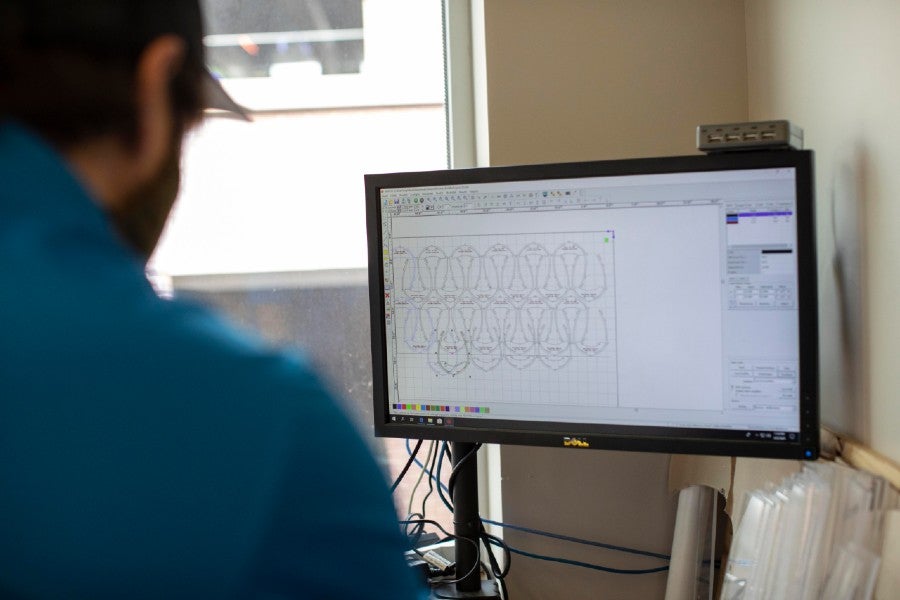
270,223
284,193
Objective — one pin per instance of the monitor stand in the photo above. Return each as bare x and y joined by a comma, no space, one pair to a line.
466,524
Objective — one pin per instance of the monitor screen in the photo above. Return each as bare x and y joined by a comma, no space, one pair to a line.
664,305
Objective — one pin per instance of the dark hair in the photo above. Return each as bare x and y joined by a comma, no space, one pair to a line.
68,91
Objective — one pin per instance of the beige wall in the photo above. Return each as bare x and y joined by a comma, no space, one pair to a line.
833,67
593,79
588,79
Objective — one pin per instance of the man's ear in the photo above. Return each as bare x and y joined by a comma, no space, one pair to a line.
157,65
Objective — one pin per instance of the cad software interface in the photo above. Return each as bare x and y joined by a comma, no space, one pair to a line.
655,300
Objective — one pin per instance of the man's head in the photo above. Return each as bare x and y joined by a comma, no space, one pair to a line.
113,85
67,67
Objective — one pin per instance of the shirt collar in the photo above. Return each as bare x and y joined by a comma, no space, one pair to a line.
36,179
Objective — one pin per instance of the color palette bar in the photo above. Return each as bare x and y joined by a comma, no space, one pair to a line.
481,410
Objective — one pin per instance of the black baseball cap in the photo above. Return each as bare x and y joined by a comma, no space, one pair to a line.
118,26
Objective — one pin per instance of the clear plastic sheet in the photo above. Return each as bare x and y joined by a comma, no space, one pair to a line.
853,575
751,548
817,535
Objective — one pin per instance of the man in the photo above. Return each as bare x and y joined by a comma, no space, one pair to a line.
147,450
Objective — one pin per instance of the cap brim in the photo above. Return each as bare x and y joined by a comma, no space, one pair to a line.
218,99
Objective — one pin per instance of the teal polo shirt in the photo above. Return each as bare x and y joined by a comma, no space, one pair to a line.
147,450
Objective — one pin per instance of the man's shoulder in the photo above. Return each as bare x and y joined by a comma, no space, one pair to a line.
193,342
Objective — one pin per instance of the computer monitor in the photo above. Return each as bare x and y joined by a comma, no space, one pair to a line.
663,305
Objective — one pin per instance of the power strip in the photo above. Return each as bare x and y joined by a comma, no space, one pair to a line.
758,135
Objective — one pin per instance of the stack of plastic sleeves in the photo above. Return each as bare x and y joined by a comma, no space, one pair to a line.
816,536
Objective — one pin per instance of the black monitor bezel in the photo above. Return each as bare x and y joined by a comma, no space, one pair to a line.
613,437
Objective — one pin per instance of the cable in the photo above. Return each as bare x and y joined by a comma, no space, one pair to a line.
442,488
402,474
482,537
499,574
445,448
452,536
445,451
434,457
412,494
409,451
492,540
434,470
415,535
577,563
458,467
447,502
575,540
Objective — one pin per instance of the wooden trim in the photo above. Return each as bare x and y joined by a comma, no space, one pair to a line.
860,456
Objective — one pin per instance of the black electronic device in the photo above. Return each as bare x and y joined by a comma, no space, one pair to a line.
664,304
661,305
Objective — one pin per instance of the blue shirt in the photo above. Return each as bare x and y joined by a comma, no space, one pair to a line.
146,449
